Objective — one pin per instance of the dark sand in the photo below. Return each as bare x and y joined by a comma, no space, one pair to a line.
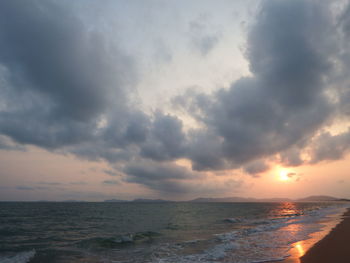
333,248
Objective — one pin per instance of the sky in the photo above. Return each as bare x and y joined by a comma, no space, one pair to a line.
174,99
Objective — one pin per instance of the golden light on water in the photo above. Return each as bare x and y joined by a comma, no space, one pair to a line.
300,249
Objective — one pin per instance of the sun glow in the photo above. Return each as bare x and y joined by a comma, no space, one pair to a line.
283,176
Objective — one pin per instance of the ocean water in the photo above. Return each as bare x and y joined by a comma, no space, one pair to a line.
157,232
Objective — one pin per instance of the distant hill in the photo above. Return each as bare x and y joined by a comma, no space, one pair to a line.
275,200
115,201
237,199
72,201
142,200
223,200
318,198
139,200
344,200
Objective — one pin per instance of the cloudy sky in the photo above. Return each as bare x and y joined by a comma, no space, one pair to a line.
174,99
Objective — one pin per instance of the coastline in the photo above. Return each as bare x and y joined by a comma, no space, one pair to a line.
301,250
334,247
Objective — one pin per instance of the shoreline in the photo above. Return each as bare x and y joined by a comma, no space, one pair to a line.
334,247
301,251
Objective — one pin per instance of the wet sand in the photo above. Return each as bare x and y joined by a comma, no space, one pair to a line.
333,248
301,248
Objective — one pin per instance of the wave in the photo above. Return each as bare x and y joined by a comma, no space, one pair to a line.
259,240
232,220
119,241
21,257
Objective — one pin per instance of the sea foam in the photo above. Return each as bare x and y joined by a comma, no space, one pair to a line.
263,240
21,257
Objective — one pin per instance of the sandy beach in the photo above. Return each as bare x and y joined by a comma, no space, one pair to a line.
333,248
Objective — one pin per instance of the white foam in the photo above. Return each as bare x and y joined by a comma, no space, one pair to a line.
124,239
232,220
268,240
22,257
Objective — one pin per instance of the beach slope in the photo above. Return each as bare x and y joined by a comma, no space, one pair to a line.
333,248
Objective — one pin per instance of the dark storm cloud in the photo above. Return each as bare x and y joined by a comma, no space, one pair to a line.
205,151
159,137
159,176
65,86
284,102
9,145
127,127
172,179
58,75
342,85
256,167
166,141
158,171
291,157
330,147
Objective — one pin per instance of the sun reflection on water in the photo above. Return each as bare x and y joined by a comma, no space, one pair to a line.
300,248
287,209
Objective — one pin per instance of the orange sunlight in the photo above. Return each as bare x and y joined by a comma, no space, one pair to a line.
300,248
283,176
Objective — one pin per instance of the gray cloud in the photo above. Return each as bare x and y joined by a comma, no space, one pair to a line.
174,180
58,75
34,188
111,172
111,182
284,103
290,175
66,86
205,151
330,147
166,141
256,167
50,183
296,176
159,176
25,188
201,37
291,157
160,171
9,145
78,183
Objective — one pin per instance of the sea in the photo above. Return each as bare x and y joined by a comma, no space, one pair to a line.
174,232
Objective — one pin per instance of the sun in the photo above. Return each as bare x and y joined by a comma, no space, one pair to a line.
283,176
